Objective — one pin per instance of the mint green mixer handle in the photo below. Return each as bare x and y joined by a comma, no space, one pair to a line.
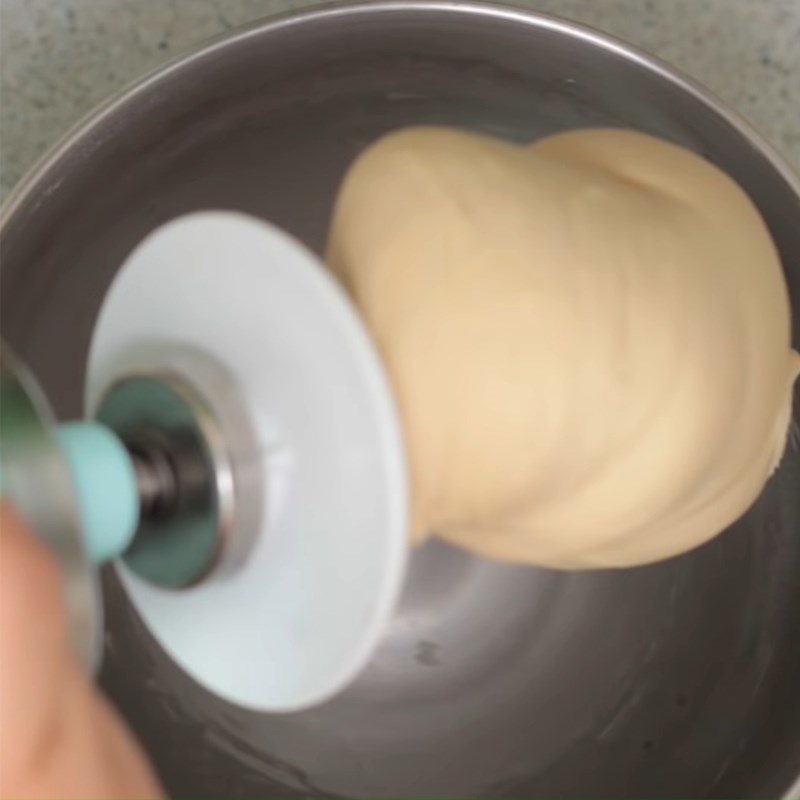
105,485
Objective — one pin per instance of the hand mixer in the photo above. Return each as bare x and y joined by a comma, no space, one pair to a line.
241,464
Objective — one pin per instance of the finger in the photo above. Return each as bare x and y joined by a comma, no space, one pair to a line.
60,737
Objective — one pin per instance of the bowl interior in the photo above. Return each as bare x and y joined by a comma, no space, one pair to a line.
493,680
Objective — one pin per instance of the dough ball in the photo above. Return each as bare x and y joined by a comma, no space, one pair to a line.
588,339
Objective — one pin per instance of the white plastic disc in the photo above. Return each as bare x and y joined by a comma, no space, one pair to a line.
299,620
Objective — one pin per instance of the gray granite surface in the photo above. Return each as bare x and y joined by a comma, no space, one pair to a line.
59,58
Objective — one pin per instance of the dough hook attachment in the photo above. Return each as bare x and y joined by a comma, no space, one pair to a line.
240,464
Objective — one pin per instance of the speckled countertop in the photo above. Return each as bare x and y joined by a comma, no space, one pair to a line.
61,57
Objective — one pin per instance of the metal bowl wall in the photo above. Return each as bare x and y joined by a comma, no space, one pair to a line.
493,680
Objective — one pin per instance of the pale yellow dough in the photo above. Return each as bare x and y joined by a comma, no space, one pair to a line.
588,339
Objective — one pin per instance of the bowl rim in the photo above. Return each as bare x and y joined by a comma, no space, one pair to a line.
20,192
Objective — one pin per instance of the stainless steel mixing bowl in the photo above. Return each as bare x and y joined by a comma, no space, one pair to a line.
493,681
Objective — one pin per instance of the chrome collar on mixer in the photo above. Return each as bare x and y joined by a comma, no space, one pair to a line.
162,476
189,438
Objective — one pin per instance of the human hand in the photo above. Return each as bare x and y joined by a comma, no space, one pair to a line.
59,737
